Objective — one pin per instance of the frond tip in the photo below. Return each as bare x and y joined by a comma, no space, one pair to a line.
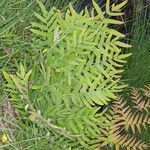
115,10
141,100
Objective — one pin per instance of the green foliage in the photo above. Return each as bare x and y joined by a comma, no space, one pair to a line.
97,50
77,73
137,68
17,86
14,12
137,73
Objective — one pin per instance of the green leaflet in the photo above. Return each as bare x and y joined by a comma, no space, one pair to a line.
40,26
114,8
8,79
40,33
119,6
98,9
112,21
42,19
43,9
121,44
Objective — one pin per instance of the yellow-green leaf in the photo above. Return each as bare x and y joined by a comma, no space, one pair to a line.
98,9
43,9
43,34
121,44
118,7
112,21
40,26
42,19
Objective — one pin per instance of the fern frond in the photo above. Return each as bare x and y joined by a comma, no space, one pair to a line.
83,41
17,86
78,73
140,100
83,53
128,119
115,10
113,134
119,120
147,91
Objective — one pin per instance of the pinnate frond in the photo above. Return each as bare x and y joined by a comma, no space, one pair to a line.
17,86
121,119
141,100
129,119
147,90
79,73
112,133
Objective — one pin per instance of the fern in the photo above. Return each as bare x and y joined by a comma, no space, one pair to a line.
77,75
17,86
129,119
120,120
86,52
142,103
